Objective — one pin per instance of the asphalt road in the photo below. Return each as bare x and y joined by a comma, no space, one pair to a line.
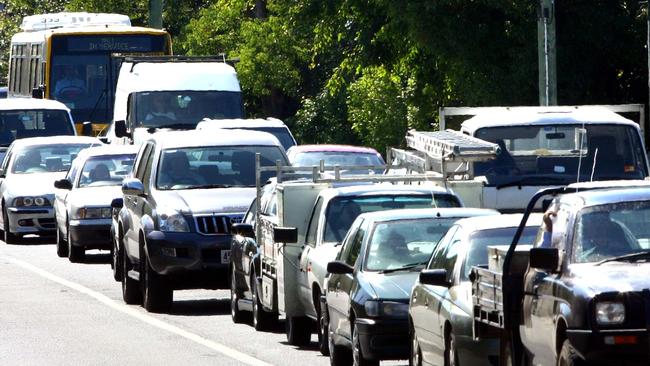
53,312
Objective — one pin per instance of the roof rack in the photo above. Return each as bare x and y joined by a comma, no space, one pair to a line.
452,146
163,59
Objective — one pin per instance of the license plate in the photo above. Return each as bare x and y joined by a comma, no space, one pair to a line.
225,256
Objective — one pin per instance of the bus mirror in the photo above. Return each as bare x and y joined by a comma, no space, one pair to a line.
37,93
120,129
87,128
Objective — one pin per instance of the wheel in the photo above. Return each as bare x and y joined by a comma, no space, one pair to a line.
451,357
568,356
416,353
339,355
9,237
236,314
157,295
262,319
357,353
61,245
116,263
323,325
130,290
298,330
75,254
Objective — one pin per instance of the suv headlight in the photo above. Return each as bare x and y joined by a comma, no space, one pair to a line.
31,201
93,213
389,309
171,220
610,313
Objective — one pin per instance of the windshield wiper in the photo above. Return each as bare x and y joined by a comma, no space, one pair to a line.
626,257
404,267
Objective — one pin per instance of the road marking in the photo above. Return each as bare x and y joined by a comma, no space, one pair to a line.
215,346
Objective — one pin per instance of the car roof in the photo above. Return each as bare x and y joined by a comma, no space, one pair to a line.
198,138
105,150
54,140
240,122
381,189
332,148
10,104
518,117
190,76
609,195
423,213
499,221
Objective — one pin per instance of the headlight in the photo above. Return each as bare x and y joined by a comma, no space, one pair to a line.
171,220
609,313
93,213
31,201
389,309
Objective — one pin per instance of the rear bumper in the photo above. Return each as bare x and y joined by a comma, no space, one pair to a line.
94,234
383,339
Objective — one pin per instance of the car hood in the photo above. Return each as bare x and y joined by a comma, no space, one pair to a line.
210,201
395,285
611,276
94,196
32,184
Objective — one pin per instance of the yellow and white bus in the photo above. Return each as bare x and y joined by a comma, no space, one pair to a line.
68,57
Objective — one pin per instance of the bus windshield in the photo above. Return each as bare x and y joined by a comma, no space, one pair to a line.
82,75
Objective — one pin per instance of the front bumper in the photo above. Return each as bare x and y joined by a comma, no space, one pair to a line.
383,339
95,234
31,220
597,346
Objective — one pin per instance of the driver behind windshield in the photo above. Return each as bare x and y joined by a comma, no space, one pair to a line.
70,85
175,170
160,112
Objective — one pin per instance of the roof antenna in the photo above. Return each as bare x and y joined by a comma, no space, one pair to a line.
593,168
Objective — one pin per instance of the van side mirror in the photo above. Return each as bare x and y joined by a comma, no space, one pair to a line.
434,277
546,259
338,267
87,128
63,184
120,129
37,93
287,235
117,203
243,230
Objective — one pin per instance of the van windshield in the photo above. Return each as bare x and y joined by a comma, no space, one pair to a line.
185,109
17,124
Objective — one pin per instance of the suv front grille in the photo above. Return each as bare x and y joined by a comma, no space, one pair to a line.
216,224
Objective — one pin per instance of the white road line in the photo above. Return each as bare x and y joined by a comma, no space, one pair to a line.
218,347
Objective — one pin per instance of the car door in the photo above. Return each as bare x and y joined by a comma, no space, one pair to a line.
429,301
309,249
145,204
131,203
61,200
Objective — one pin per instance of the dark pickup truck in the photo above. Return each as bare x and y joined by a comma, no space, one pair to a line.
582,297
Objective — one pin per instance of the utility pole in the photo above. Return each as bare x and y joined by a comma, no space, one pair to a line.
546,51
155,13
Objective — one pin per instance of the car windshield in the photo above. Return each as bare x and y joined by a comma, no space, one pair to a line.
340,158
46,158
33,123
185,109
611,230
214,166
477,253
539,155
342,211
108,170
404,243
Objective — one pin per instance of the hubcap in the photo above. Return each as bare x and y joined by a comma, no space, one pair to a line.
452,351
254,296
233,294
415,352
356,352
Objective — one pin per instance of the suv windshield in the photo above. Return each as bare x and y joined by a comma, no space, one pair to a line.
33,123
342,211
106,170
178,109
340,158
214,166
46,158
562,154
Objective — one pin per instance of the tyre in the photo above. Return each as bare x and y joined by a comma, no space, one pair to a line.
357,354
451,356
568,356
323,328
339,355
262,319
157,295
236,314
61,245
416,353
75,254
8,237
298,330
130,288
116,261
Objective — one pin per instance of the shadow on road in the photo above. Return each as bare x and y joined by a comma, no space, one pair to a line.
35,240
201,307
97,258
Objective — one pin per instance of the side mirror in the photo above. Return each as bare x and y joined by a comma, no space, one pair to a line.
2,173
37,93
132,187
287,235
338,267
434,277
120,129
63,184
87,128
242,229
546,259
117,203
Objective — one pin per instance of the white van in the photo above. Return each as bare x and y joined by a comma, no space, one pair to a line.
271,125
162,93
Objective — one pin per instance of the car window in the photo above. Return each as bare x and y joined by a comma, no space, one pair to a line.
143,157
46,158
146,178
437,258
313,222
107,170
353,247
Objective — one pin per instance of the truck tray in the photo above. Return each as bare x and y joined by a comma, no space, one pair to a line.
487,296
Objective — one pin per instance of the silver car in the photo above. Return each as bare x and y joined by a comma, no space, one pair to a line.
83,199
27,178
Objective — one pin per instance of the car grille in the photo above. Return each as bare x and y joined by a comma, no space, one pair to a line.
216,224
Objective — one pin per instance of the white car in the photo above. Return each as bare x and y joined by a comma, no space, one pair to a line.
27,180
83,199
271,125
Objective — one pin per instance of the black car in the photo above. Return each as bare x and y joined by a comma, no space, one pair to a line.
370,283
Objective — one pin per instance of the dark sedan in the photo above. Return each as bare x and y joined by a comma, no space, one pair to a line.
370,283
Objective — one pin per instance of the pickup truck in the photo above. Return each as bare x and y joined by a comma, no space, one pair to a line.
581,297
